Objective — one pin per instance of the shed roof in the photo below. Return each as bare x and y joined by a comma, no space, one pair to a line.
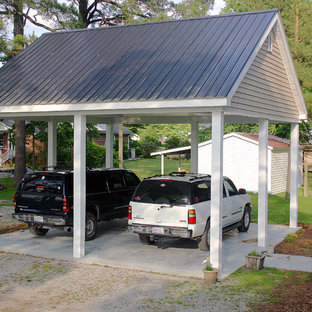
102,129
190,59
275,142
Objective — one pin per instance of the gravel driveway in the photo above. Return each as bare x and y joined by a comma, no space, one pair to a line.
30,283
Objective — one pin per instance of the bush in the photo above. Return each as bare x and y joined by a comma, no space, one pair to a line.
175,142
148,147
95,155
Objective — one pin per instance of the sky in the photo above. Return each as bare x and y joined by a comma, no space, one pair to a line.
30,28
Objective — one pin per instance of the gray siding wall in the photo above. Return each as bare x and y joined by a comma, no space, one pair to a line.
265,88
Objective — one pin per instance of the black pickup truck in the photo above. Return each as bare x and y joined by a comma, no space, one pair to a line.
44,199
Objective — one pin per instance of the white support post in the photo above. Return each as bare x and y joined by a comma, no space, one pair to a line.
109,146
194,147
294,158
79,185
162,164
263,183
52,136
216,190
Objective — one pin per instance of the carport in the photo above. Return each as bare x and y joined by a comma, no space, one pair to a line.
228,68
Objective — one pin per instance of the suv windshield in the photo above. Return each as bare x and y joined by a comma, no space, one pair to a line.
42,183
163,192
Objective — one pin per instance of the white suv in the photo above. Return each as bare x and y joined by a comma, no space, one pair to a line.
178,205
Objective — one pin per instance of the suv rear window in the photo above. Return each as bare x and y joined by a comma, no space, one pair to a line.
163,192
42,183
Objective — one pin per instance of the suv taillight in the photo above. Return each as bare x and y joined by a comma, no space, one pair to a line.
191,216
129,213
14,200
66,207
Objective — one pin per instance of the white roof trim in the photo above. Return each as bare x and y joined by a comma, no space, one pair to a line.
290,70
116,106
173,150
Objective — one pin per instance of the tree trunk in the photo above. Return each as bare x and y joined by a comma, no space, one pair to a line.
83,11
120,146
20,154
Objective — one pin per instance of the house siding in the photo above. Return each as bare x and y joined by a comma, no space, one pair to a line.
265,88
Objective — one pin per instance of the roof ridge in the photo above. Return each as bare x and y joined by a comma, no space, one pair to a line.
161,22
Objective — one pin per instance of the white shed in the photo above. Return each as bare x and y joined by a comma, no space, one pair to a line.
241,161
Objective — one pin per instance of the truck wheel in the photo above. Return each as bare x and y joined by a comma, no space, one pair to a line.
204,242
91,226
37,230
245,222
146,239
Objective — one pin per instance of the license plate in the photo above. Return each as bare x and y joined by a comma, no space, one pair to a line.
158,230
38,218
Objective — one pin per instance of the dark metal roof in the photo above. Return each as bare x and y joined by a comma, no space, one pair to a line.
181,59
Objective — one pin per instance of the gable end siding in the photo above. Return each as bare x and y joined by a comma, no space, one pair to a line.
265,88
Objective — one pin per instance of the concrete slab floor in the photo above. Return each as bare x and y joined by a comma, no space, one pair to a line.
115,246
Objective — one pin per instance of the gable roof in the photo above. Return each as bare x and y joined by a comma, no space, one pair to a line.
191,65
189,59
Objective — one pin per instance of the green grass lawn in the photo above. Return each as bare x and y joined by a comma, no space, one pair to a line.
279,206
9,191
148,167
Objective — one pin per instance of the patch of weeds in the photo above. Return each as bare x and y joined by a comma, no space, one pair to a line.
290,237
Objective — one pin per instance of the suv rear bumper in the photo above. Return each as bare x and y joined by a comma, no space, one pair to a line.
160,230
47,220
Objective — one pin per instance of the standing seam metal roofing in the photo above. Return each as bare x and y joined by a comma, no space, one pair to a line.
181,59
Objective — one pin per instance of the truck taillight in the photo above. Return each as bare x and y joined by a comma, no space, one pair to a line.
129,213
14,200
191,216
66,207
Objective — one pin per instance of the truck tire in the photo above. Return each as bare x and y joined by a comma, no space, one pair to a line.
204,241
91,226
146,239
36,230
245,222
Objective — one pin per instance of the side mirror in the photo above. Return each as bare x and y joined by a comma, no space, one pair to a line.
242,191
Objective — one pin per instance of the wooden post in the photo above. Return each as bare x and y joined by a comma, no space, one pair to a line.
52,134
109,157
294,149
216,190
194,147
263,183
79,185
120,146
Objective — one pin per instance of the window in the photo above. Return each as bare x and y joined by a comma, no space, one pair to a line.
38,183
270,42
202,192
131,179
1,140
115,181
96,183
163,192
231,187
